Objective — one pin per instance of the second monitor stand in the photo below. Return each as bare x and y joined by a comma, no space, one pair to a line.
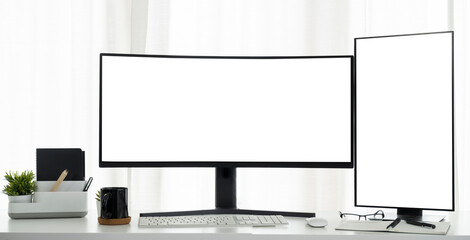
417,215
226,199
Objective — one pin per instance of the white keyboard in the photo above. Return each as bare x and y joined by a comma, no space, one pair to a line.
232,220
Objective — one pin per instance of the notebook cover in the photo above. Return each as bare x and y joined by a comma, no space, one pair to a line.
402,227
51,162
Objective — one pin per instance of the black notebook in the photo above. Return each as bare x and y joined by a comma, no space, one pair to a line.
51,162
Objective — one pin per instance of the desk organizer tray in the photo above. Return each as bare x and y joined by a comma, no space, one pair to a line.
68,202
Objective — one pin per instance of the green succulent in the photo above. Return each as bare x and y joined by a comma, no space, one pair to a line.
98,196
19,184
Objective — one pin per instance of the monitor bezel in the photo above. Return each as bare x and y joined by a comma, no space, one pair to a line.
349,164
453,124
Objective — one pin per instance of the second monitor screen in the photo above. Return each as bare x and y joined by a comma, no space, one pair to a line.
405,121
176,109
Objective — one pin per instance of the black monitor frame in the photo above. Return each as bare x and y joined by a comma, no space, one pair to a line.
226,171
232,164
406,212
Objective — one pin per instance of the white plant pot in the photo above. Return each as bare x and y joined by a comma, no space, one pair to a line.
20,199
98,208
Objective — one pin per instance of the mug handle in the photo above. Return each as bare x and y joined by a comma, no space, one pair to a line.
104,205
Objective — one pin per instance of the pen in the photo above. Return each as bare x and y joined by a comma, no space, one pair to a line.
88,183
394,223
421,224
59,180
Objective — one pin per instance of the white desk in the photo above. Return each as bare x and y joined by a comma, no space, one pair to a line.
88,228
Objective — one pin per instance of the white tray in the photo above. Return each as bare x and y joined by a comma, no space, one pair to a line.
68,203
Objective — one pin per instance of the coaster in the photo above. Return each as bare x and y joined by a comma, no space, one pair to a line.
117,221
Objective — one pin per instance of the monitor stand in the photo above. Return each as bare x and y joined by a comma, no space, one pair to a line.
226,199
417,215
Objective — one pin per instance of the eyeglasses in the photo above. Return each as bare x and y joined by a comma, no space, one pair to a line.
379,215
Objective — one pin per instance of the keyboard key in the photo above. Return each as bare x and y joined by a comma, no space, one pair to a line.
281,219
275,220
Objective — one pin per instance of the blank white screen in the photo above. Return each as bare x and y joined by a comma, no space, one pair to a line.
246,110
404,121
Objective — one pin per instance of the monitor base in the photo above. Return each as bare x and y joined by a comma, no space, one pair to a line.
417,215
229,211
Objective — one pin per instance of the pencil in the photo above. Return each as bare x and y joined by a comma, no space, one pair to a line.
59,180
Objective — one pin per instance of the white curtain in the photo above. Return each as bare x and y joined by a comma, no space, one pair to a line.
49,68
49,53
460,21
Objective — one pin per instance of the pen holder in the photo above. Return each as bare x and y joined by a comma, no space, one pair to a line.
69,201
65,186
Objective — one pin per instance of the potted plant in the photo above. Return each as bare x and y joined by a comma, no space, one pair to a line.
20,187
98,202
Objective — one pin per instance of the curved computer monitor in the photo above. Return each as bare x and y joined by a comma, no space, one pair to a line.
226,112
405,129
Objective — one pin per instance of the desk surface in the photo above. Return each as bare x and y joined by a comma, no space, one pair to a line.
88,228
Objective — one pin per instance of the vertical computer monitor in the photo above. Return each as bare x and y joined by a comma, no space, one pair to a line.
405,131
226,112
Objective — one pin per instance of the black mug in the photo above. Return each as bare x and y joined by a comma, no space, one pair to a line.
114,203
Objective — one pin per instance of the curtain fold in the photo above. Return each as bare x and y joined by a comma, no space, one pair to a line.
461,25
